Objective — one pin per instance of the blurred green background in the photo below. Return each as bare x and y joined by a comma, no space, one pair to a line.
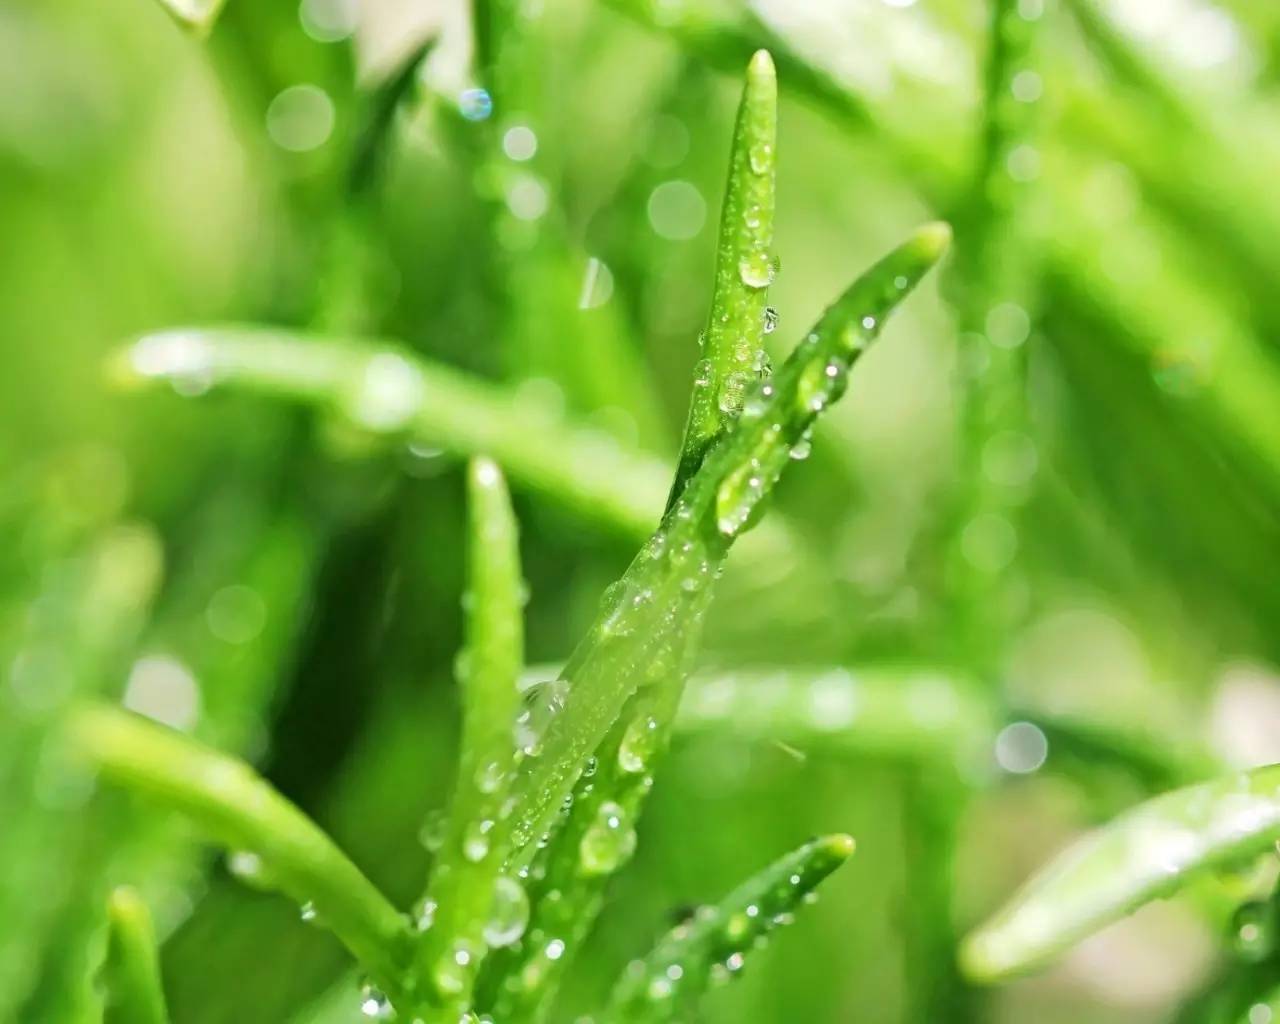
538,208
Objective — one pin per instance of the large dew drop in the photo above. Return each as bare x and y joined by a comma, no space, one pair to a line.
638,745
609,842
452,971
737,499
475,841
509,915
539,707
375,1005
756,270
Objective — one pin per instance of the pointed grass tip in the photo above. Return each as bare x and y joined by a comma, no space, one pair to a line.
932,240
840,846
761,65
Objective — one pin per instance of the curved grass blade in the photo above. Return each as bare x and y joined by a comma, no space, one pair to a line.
470,904
132,969
1146,854
283,846
637,633
382,389
895,711
732,342
713,944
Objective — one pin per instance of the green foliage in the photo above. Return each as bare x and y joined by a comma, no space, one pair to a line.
1147,853
132,969
714,943
1022,589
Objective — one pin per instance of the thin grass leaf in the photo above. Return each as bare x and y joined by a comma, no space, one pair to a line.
197,16
714,943
732,344
281,846
593,840
64,639
381,389
638,633
1207,167
132,970
994,270
597,835
1148,853
470,905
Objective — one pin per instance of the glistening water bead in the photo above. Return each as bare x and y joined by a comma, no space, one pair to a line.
609,842
756,270
539,707
509,914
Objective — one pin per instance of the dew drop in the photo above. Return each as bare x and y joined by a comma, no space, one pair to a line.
475,843
731,394
509,914
453,970
638,745
475,104
704,373
432,833
801,449
608,842
424,914
760,157
539,707
756,270
490,776
373,1004
770,320
308,913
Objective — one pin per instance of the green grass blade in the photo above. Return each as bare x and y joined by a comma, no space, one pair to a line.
732,354
637,634
381,389
714,942
1148,853
594,841
132,969
225,796
894,711
473,904
994,270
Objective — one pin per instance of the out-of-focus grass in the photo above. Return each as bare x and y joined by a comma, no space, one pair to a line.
559,249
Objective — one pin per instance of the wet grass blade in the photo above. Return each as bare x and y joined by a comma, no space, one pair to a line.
732,352
1148,853
381,389
281,846
598,833
637,634
470,905
132,969
713,944
594,839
